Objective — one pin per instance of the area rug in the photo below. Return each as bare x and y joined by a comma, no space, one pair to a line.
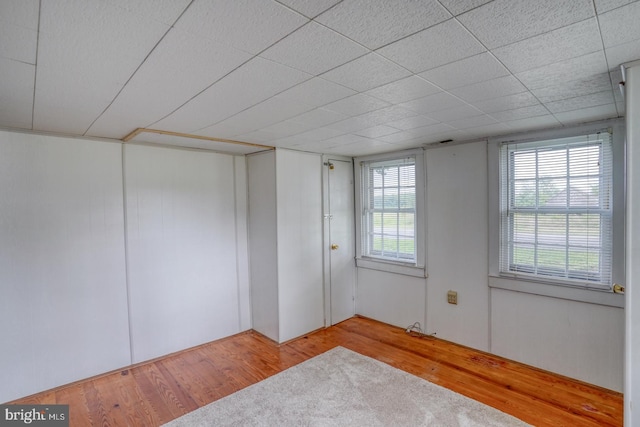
343,388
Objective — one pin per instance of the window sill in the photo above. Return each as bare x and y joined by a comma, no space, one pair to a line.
591,296
391,267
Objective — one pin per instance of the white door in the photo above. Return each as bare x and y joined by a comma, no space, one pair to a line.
340,234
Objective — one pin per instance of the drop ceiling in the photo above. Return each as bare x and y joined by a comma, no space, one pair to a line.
350,77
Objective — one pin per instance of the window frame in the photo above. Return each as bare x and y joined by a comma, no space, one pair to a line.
550,286
363,259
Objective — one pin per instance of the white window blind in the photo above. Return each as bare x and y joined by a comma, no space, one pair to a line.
389,209
556,209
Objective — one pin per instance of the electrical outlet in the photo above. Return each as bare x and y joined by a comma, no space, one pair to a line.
452,297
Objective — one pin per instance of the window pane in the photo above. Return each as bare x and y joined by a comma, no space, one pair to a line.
524,228
524,165
585,192
390,177
552,163
524,257
585,160
584,230
524,194
408,176
390,198
377,199
552,260
552,230
552,193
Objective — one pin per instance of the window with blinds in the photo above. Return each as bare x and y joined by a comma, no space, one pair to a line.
389,209
556,209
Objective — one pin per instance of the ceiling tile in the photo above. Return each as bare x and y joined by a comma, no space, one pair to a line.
351,124
250,84
532,123
316,92
309,8
375,23
82,67
559,73
567,42
409,88
21,13
460,6
584,115
502,86
356,105
472,122
412,122
456,74
388,114
438,45
488,130
509,102
319,117
222,130
169,77
622,53
520,113
19,30
620,25
319,134
426,131
366,72
286,128
248,25
17,98
427,104
502,22
266,113
580,102
163,11
398,138
603,6
451,114
571,89
377,131
362,148
314,49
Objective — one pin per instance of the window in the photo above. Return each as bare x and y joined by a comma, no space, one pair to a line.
389,214
391,219
556,209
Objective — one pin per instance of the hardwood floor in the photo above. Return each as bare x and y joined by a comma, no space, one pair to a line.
156,392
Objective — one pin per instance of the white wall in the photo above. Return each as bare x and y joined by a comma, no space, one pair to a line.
457,244
67,309
181,248
263,236
391,298
63,301
300,267
576,339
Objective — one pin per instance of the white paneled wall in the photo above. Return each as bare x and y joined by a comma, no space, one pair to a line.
576,339
63,300
300,268
263,247
457,244
391,298
181,248
98,272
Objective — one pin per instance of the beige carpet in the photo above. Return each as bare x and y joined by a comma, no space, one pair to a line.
343,388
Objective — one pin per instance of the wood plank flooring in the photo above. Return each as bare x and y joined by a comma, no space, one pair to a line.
159,391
